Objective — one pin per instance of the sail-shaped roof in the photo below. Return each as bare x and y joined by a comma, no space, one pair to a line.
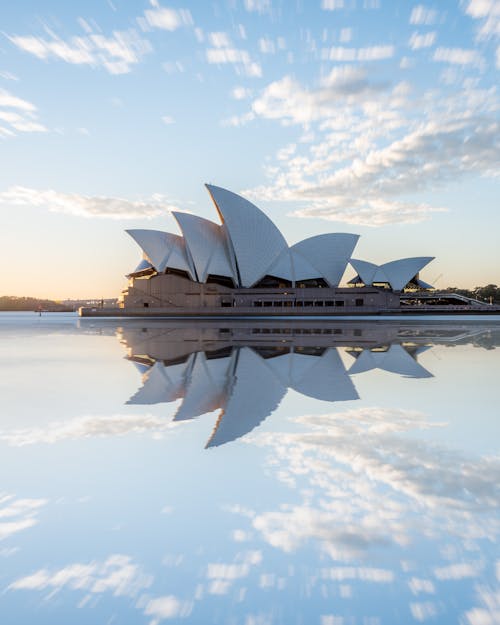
207,245
255,239
397,273
400,272
164,249
328,253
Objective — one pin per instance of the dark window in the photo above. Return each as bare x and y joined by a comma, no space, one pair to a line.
329,302
258,303
313,283
358,333
146,305
226,304
360,302
318,303
279,303
288,303
268,303
308,303
222,280
299,303
339,302
272,282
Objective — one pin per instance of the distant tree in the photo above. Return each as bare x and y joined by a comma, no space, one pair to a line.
11,302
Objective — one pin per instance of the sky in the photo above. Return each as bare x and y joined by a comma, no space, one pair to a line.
375,117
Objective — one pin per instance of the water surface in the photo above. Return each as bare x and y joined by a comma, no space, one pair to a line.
316,472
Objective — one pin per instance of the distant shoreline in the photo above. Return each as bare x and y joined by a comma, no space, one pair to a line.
11,303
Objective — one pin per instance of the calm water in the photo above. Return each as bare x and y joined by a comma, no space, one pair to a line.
329,473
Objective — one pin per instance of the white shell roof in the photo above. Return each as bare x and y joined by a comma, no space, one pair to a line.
154,244
164,249
396,272
248,245
207,245
255,240
328,253
400,272
365,270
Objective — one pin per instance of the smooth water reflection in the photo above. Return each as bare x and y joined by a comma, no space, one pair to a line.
316,472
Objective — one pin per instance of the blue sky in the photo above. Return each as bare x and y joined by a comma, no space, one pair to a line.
367,116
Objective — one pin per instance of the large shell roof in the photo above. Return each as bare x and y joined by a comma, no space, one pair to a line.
247,245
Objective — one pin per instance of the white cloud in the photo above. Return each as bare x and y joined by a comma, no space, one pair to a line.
332,5
457,56
488,12
488,610
22,119
368,212
483,8
86,206
286,100
241,60
219,40
266,45
372,145
165,18
418,585
343,54
423,15
168,119
345,35
423,611
117,574
18,514
418,41
459,570
116,53
167,607
84,427
241,93
258,6
223,575
8,76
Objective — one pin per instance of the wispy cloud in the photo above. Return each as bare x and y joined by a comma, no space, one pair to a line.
116,53
423,15
371,147
85,427
117,575
164,18
239,58
19,115
18,514
258,6
343,54
86,206
488,14
458,56
167,607
419,40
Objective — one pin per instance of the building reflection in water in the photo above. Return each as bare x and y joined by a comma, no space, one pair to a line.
244,372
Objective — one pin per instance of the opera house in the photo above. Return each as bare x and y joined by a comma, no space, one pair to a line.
243,266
